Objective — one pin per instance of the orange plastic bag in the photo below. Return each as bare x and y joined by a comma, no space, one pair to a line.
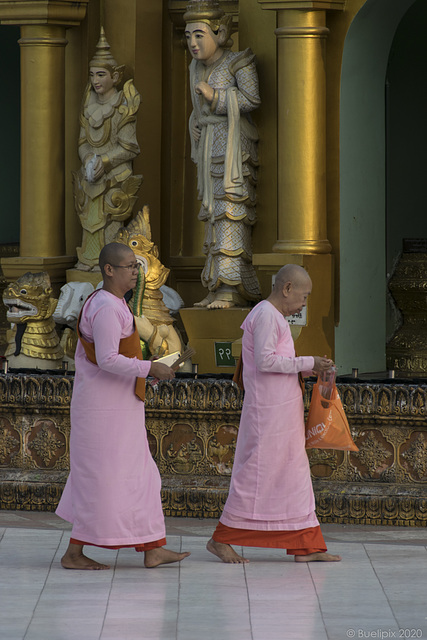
327,425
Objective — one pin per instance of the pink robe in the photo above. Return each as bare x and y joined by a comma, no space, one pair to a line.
112,495
271,485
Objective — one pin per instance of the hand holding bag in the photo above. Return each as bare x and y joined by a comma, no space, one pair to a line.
327,425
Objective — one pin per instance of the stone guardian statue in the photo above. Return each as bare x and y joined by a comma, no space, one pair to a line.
104,187
224,90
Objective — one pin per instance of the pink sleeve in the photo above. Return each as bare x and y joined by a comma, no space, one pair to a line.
107,329
266,337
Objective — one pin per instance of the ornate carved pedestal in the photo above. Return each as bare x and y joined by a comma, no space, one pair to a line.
192,428
407,350
207,329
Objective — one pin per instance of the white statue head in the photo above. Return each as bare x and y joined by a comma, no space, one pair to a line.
207,30
71,299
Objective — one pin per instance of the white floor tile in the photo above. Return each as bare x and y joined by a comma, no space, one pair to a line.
379,587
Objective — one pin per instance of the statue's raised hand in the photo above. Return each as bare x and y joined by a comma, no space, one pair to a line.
204,89
98,169
94,168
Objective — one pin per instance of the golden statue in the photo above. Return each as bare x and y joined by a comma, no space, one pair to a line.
33,341
224,89
104,187
152,316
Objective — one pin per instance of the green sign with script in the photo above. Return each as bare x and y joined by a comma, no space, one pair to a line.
223,355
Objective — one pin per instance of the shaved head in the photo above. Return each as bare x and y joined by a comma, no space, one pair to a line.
292,273
292,286
112,254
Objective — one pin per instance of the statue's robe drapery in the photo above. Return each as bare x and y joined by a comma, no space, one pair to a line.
271,491
112,495
227,160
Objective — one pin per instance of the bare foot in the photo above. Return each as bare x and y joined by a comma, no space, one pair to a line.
75,559
321,556
221,304
160,555
225,552
205,302
81,266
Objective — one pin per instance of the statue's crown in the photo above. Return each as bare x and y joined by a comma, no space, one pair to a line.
207,11
103,57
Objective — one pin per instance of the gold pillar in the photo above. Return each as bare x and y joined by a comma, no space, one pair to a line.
301,162
42,140
301,124
42,235
301,127
301,175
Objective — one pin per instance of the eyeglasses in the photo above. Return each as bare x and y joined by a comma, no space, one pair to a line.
135,266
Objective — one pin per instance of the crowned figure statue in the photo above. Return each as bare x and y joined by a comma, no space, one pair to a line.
224,90
104,187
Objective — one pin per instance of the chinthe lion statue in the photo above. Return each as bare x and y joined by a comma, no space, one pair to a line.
152,316
33,341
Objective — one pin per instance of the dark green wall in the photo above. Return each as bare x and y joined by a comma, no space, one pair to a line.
10,113
360,338
407,132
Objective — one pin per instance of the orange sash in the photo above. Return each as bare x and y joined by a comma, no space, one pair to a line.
238,374
129,347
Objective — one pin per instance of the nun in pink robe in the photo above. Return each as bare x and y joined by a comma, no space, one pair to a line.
271,500
112,495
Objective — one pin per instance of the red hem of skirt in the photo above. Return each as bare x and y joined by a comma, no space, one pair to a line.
145,546
301,542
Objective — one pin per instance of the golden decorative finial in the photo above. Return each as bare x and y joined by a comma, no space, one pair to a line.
209,12
140,225
103,57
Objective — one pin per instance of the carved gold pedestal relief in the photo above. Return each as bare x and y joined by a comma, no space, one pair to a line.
34,440
192,430
407,350
385,482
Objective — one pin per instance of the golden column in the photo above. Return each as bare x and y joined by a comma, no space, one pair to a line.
301,126
301,160
42,233
301,177
42,135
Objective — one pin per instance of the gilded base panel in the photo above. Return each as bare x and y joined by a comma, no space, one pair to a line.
367,504
32,495
203,498
207,327
192,427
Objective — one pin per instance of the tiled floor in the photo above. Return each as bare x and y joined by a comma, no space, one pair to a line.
379,590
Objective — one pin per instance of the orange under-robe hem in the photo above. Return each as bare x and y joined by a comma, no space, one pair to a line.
299,543
146,546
